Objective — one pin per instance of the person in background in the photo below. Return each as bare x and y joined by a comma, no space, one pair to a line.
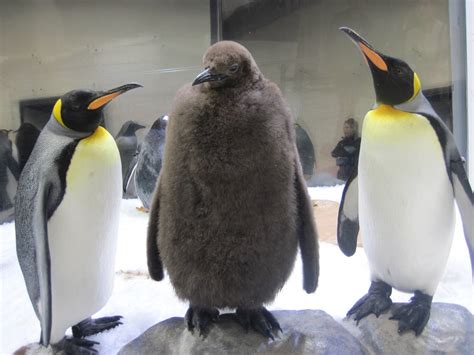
346,151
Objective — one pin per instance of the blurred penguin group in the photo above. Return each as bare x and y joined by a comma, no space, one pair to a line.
141,160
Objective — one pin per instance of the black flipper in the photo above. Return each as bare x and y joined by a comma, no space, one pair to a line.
454,166
307,232
155,265
348,217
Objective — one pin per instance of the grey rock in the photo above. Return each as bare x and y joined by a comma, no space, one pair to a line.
304,332
450,330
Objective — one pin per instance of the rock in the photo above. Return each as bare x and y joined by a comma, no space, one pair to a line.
36,349
450,330
304,332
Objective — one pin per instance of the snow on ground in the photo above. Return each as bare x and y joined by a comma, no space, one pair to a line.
144,302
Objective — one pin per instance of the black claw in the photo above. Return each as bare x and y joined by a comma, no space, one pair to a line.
93,326
200,318
86,342
414,315
189,319
260,319
402,329
108,319
244,319
269,334
202,324
77,346
272,320
376,301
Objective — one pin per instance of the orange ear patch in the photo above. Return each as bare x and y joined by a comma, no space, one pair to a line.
101,101
373,57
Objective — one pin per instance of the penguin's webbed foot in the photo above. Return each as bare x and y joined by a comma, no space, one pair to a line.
260,319
376,301
77,346
414,315
93,326
200,317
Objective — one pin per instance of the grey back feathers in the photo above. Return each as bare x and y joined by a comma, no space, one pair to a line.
149,161
40,190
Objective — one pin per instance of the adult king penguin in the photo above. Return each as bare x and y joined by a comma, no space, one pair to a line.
402,194
67,209
231,203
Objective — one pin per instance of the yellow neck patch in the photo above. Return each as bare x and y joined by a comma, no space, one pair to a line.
386,124
94,155
416,85
57,112
100,135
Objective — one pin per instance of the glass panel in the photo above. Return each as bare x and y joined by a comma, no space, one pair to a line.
297,44
50,47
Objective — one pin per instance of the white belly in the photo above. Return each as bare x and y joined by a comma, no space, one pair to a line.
406,206
83,236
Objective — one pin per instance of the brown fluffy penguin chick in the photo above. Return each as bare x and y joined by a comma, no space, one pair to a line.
231,204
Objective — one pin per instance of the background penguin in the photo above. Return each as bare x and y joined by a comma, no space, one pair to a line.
305,151
402,194
149,161
127,143
67,210
25,140
231,204
9,174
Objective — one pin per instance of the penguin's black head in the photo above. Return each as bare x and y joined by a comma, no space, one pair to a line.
129,128
394,81
160,123
227,64
81,110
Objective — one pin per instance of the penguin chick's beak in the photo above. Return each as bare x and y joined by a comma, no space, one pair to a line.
369,52
105,97
207,76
